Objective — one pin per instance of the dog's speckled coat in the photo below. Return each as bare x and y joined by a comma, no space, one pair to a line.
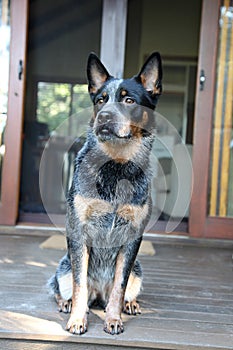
109,201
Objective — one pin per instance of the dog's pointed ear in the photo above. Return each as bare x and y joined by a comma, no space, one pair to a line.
150,75
97,74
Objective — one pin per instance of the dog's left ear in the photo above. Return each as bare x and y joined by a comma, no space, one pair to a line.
97,74
150,75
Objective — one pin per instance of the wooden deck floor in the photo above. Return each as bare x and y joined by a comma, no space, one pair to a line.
187,301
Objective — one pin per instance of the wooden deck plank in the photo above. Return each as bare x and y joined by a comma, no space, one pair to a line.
187,301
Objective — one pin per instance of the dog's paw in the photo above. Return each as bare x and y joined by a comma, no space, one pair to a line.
131,308
77,325
113,326
64,306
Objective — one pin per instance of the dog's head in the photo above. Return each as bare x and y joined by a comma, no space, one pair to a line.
123,108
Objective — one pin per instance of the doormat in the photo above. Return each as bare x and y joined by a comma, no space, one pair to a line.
59,242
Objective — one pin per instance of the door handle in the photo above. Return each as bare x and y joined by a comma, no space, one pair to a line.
20,69
202,80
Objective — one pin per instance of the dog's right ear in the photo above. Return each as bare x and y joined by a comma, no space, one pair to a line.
97,74
150,75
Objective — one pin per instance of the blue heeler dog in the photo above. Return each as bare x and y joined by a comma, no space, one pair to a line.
109,201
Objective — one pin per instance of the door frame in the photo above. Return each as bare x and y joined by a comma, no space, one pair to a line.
200,224
10,185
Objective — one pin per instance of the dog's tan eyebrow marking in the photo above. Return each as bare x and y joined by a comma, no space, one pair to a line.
87,208
123,93
104,94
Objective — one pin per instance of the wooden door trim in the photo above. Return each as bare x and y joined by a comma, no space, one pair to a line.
13,134
203,117
218,227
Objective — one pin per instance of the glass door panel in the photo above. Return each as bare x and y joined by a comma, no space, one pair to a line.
4,74
56,94
221,181
211,204
155,26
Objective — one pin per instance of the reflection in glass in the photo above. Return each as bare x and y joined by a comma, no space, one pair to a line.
59,122
4,71
58,101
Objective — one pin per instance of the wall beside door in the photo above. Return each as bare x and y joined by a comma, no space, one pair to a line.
170,27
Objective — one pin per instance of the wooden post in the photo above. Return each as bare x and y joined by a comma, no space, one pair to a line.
113,36
4,12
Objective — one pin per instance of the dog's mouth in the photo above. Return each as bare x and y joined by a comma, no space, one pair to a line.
111,133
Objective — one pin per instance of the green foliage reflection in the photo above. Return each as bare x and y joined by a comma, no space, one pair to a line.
58,101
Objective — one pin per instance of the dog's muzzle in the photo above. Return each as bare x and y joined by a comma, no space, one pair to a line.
109,126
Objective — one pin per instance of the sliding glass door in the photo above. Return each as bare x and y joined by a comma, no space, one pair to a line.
212,203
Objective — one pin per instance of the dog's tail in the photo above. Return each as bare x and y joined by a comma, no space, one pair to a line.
53,285
61,282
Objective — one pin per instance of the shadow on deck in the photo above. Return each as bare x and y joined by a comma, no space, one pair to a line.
187,301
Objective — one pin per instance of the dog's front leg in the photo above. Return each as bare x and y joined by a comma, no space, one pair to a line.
79,261
126,257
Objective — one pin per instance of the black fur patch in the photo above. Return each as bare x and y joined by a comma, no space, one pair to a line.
135,187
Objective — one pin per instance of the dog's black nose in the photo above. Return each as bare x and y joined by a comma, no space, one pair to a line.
104,117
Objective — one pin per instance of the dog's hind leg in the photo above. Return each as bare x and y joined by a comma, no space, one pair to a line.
134,286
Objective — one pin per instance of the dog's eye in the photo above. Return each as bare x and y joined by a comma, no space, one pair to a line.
129,100
100,101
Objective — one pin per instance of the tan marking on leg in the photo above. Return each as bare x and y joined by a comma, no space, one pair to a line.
133,288
113,323
134,213
88,208
78,320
